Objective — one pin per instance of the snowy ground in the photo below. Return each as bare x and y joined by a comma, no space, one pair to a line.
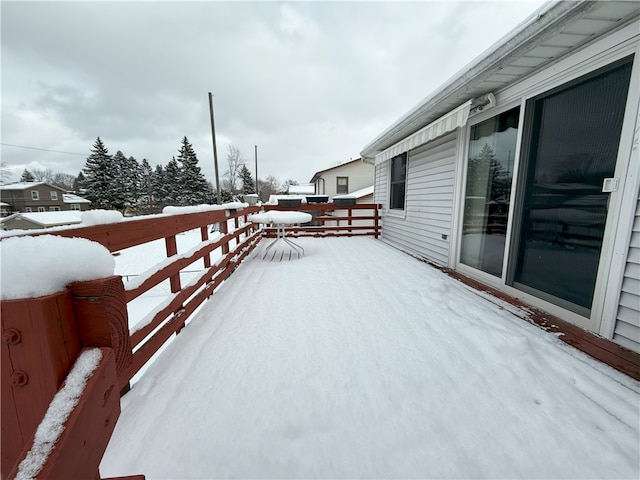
358,361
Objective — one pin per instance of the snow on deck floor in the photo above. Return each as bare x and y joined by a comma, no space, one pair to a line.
358,361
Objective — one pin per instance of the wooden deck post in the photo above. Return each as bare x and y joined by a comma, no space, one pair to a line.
172,249
204,236
224,229
41,340
39,345
101,310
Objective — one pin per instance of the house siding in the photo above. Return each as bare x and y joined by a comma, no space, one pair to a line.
19,199
359,173
627,328
380,182
425,229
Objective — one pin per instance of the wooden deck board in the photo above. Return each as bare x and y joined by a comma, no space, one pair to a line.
602,349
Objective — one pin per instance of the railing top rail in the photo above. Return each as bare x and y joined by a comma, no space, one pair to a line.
139,230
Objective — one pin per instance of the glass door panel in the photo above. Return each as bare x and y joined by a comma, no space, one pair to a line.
492,147
573,148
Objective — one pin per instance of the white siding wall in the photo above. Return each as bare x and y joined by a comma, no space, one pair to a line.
627,329
381,184
429,201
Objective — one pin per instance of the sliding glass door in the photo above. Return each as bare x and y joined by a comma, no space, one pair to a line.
574,133
492,147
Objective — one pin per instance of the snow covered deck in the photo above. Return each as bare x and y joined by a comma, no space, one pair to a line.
358,361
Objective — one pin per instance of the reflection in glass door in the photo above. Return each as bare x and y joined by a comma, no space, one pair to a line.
575,133
492,147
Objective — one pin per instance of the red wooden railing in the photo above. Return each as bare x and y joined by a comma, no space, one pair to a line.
43,337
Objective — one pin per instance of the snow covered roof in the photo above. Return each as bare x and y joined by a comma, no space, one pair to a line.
545,36
21,185
363,192
72,198
48,219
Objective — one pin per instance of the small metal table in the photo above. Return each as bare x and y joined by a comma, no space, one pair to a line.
281,220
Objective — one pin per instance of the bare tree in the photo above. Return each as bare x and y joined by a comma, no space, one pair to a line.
5,174
42,175
235,161
267,187
63,180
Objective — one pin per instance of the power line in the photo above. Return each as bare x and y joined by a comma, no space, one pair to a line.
42,149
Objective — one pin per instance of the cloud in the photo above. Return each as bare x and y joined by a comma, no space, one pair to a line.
310,83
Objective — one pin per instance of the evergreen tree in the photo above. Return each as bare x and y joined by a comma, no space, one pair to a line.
26,176
191,182
171,183
99,176
210,197
159,186
248,185
146,184
78,184
118,191
486,177
133,181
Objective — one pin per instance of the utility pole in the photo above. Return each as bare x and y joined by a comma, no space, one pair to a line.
256,155
215,152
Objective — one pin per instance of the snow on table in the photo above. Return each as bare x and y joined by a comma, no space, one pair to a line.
277,217
394,371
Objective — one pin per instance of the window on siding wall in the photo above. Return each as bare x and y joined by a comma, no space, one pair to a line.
75,206
28,210
35,195
398,182
54,195
342,185
41,209
54,209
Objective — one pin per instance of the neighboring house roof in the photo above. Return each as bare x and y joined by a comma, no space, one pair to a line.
22,185
548,34
48,219
72,198
319,173
363,192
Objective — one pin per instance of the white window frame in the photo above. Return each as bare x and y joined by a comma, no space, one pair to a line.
54,209
75,206
53,194
35,195
338,178
41,209
391,210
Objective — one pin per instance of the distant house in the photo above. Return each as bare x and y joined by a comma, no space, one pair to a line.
522,171
27,197
343,179
39,220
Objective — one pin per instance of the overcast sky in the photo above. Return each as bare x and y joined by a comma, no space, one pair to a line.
310,83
